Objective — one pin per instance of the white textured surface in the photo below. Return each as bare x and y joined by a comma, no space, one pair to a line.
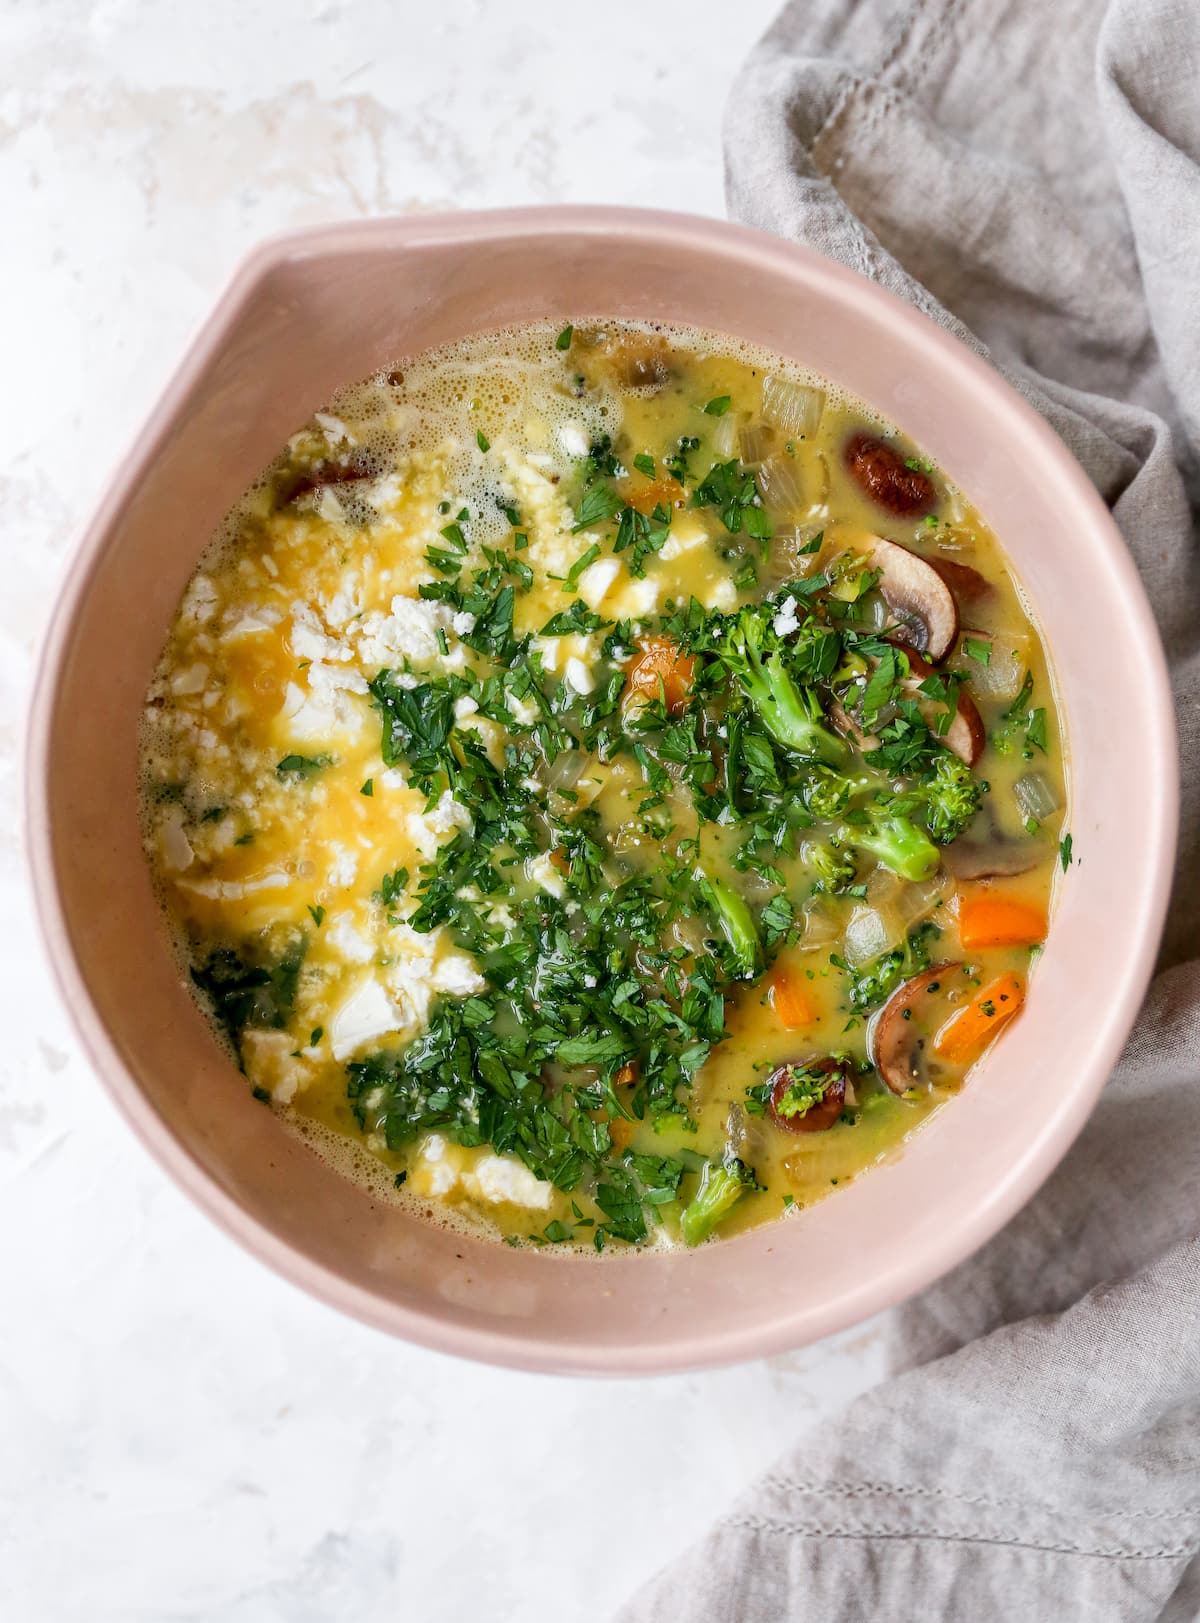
184,1436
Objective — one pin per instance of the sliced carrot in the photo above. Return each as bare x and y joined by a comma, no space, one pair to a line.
998,921
626,1076
620,1131
660,668
791,1000
968,1031
662,492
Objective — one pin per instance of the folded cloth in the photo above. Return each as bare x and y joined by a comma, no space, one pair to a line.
1028,173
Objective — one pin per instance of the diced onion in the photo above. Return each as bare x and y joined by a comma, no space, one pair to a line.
917,902
757,440
794,407
1004,672
1035,796
779,483
566,768
870,932
725,437
820,928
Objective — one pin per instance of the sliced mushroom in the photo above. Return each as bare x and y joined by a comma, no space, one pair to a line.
897,1038
886,477
966,735
969,587
819,1116
996,858
918,597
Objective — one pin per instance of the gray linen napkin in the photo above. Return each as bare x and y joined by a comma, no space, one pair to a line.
1034,167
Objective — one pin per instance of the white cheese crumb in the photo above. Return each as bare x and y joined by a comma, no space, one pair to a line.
687,531
721,595
578,676
441,1174
410,632
177,853
427,829
639,598
596,579
457,976
785,621
190,680
523,711
502,1179
543,873
199,601
573,439
342,936
333,428
366,1014
309,640
464,707
257,619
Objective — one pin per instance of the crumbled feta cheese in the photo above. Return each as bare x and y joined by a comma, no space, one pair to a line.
722,594
578,676
436,1170
573,439
596,579
543,873
309,640
464,707
548,648
503,1179
638,598
457,976
410,632
687,531
342,936
271,1063
392,778
785,621
366,1014
342,606
333,428
177,853
343,868
523,711
428,829
261,617
199,601
190,680
328,707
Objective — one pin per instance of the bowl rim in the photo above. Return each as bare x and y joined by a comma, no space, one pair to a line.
518,1348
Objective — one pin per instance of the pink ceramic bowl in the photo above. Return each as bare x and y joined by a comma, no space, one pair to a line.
312,311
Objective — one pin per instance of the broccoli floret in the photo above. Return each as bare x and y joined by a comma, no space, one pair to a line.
790,713
826,792
722,1185
834,866
952,795
736,922
891,836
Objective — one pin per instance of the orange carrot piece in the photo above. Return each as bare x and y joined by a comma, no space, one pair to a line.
791,1001
662,492
620,1131
660,668
627,1075
998,921
970,1029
